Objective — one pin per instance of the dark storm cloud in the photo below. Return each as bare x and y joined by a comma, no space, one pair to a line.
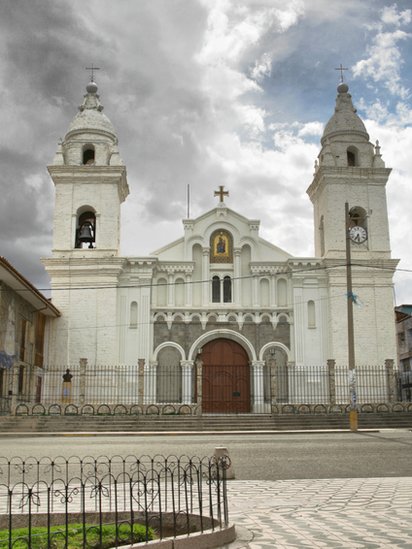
178,80
45,49
23,208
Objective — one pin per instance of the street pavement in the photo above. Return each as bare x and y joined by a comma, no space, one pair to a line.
329,513
312,490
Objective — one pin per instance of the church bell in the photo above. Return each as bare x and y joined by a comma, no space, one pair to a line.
86,234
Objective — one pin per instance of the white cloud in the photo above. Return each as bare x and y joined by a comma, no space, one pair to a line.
384,60
391,16
262,68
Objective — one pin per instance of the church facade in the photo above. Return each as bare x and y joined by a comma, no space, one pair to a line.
207,318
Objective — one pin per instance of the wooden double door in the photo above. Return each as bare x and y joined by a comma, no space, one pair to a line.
225,378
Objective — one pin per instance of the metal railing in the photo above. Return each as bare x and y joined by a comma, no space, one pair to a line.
101,388
168,495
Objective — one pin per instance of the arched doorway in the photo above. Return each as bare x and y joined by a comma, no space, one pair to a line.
225,377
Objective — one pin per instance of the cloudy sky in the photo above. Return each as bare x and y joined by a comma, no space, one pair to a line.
206,93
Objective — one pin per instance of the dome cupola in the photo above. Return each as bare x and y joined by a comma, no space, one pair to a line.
91,139
344,121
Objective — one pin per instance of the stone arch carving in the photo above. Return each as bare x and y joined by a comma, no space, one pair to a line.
168,344
277,345
222,333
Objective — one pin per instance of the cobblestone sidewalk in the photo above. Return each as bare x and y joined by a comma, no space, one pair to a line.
333,513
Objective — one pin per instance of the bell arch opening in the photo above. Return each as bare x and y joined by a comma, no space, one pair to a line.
85,236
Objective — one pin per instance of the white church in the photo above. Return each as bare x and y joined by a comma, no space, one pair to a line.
205,320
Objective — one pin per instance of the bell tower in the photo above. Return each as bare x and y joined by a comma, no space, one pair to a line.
90,186
350,169
90,183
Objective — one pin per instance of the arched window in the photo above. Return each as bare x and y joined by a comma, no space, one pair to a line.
221,289
311,314
88,155
282,293
161,291
216,289
352,156
227,289
86,229
133,315
169,376
179,292
358,216
264,292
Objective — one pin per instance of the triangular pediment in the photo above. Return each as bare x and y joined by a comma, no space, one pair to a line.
245,232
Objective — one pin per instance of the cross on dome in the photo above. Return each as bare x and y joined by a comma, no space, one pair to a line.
92,69
341,69
221,193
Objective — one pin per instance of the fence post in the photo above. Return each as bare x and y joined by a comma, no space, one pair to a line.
390,380
82,382
140,380
331,377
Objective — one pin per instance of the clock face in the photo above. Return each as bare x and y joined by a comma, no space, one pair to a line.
358,234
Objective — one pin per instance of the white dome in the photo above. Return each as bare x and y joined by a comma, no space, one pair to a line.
90,117
344,120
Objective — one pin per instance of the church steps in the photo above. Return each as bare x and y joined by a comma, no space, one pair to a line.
307,422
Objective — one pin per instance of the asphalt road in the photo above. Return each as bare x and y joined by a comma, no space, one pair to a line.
255,457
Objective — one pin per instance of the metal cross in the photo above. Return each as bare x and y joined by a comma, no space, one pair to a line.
92,69
221,193
341,69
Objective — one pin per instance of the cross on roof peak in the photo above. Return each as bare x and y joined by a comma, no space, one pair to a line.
221,193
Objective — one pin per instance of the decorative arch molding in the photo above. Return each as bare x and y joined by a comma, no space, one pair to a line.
166,344
223,333
203,239
248,241
287,318
277,345
222,225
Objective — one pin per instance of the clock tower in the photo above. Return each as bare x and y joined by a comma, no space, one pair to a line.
350,169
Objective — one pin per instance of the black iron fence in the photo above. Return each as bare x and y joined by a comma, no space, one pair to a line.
261,388
109,502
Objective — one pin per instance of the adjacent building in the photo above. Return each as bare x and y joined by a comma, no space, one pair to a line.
24,316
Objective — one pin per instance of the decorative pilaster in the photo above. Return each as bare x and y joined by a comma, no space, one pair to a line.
205,277
187,367
258,386
237,297
255,290
189,290
170,291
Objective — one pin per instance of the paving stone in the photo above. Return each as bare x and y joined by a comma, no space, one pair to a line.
332,513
